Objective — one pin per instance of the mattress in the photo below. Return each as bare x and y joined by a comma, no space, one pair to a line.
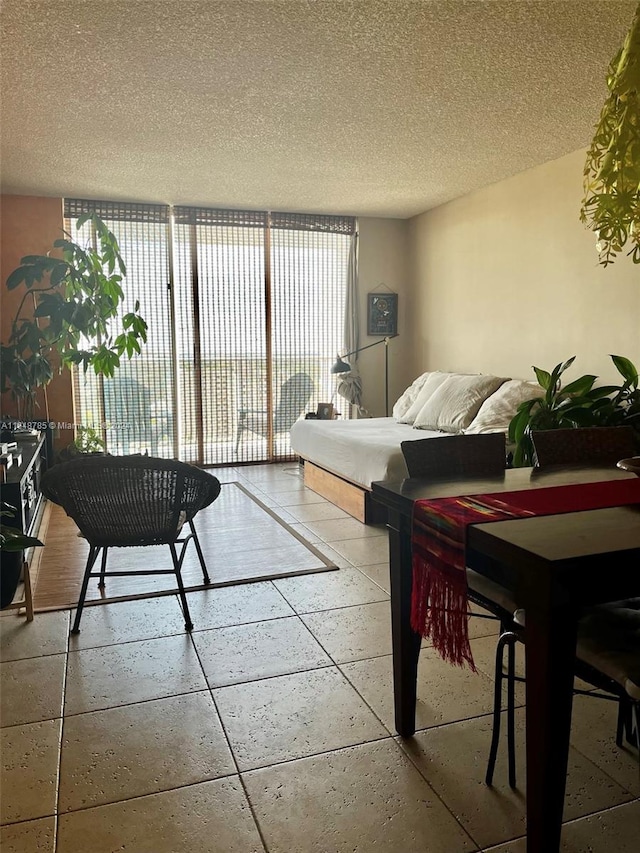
362,450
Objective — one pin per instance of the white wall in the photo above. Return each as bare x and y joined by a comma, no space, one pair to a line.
384,263
508,277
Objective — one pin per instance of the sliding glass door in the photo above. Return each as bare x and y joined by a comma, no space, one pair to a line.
246,314
221,330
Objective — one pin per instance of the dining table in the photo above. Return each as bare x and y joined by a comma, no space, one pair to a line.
556,564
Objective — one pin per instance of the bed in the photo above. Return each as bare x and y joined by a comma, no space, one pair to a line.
343,458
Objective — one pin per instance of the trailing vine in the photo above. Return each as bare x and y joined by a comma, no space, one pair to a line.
611,203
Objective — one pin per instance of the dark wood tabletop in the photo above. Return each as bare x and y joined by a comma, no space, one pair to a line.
558,562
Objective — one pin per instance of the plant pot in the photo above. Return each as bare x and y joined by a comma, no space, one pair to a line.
10,576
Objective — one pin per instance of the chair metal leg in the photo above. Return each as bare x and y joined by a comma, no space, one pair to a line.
635,717
497,709
623,721
239,432
177,565
631,718
103,568
91,559
511,708
196,542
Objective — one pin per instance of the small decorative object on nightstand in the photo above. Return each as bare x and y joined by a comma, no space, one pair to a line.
325,411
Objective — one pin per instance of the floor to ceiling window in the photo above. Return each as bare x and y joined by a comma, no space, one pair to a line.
137,403
246,315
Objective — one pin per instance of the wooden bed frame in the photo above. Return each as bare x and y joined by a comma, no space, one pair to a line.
351,497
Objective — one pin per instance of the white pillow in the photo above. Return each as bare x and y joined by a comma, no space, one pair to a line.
498,410
408,397
432,383
453,405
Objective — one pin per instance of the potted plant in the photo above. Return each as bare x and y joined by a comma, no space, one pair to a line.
76,300
12,546
87,441
577,404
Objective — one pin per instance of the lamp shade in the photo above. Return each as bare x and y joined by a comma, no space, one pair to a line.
340,366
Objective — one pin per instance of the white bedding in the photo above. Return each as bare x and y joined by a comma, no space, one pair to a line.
361,450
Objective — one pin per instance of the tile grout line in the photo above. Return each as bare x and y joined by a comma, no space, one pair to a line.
56,817
231,751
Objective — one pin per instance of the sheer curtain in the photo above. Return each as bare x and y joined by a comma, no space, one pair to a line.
350,384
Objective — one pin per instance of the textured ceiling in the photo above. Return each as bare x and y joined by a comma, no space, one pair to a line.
368,107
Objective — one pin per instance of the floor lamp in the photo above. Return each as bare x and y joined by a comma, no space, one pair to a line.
342,366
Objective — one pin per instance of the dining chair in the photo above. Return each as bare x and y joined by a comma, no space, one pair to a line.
607,657
582,445
456,455
295,393
602,658
132,501
467,456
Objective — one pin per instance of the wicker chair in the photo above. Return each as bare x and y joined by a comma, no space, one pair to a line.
584,445
295,393
456,455
128,501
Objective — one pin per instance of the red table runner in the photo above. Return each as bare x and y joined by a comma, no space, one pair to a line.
439,592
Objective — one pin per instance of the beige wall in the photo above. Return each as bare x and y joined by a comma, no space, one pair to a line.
29,226
383,263
508,277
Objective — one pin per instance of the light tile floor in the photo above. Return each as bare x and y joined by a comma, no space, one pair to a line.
270,728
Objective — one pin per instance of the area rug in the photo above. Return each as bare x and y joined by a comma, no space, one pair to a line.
243,540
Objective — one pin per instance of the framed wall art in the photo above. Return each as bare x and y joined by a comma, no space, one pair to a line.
382,313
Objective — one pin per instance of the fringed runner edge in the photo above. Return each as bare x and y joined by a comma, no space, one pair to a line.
439,588
439,595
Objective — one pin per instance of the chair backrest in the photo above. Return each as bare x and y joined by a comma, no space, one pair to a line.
582,445
456,455
129,500
295,393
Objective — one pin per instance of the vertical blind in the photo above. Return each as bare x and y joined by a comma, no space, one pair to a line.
221,311
245,313
134,409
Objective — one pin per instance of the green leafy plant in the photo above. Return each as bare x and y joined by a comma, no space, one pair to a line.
577,404
622,405
88,440
12,539
73,303
611,203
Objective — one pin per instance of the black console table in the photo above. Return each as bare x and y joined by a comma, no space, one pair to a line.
22,490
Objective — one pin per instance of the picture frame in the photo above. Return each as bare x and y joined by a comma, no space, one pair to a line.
382,314
325,411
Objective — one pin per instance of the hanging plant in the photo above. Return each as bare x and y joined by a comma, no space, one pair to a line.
611,203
